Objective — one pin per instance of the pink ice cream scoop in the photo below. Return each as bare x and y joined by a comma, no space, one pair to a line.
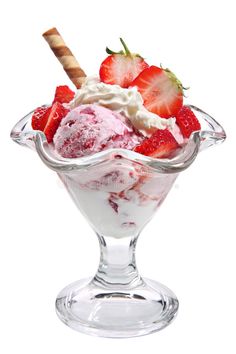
90,128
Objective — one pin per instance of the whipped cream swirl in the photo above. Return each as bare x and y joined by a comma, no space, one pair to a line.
128,102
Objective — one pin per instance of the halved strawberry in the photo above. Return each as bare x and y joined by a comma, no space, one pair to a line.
63,94
58,111
161,91
121,68
160,144
40,117
187,121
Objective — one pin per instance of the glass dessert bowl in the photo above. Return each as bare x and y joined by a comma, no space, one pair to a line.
118,191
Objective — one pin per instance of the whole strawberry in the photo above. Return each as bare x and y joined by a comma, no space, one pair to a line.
121,68
187,121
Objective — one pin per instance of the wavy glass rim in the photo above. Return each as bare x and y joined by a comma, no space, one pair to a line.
211,133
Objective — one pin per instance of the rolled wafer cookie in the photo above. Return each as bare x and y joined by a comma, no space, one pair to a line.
65,56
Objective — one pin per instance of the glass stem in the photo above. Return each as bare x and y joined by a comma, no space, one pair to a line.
117,262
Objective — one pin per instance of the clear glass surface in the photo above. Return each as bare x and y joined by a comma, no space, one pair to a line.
118,191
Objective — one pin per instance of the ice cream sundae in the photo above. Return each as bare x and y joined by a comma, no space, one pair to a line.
129,105
117,143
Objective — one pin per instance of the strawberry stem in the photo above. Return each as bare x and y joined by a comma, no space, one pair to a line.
127,51
111,52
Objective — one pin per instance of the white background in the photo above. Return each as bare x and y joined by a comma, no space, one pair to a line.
46,243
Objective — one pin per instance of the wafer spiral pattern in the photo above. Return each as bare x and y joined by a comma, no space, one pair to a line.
65,56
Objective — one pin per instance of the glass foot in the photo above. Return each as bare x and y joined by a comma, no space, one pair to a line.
88,307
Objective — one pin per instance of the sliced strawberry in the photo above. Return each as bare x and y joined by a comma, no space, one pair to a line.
161,91
160,144
58,111
121,68
187,121
63,94
40,117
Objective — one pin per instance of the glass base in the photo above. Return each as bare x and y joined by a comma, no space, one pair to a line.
120,312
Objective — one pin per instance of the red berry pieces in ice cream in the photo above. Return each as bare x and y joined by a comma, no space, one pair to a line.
90,128
40,117
121,68
57,112
160,144
161,91
187,121
63,94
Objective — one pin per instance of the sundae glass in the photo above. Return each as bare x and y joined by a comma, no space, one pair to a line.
118,191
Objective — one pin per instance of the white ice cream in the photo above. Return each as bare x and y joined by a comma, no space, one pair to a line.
117,197
126,101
